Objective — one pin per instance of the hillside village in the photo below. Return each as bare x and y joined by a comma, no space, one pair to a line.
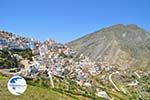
50,55
55,60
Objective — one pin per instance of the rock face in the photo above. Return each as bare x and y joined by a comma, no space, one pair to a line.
123,45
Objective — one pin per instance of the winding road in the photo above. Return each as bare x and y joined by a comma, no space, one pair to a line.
111,81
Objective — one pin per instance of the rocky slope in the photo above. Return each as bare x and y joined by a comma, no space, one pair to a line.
123,45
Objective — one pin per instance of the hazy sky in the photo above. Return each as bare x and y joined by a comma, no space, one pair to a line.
66,20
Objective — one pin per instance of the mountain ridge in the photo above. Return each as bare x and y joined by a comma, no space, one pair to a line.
128,43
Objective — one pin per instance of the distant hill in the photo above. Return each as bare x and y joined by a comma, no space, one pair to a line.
123,45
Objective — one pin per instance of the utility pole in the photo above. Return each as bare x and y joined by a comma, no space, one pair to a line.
51,79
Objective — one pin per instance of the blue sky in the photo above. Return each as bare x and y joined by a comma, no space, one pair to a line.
66,20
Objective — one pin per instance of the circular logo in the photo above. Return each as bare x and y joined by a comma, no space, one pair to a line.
17,85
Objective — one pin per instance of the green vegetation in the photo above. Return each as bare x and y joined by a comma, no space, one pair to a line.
40,89
32,92
8,60
25,53
67,87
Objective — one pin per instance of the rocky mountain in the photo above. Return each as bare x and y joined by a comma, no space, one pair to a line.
122,45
